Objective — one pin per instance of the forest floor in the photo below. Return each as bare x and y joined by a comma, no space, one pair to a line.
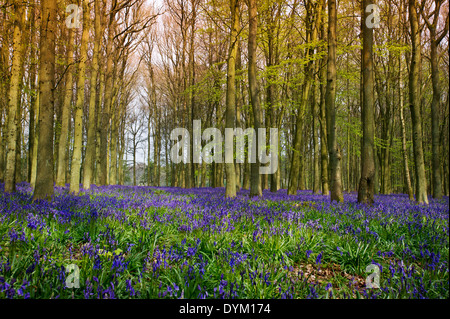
148,242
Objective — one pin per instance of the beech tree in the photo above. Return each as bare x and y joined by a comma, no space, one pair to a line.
366,184
330,96
44,171
414,105
14,96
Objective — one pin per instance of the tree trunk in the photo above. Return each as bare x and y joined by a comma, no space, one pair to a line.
4,76
44,177
296,176
271,115
18,161
104,159
122,148
239,101
414,104
14,97
65,117
75,169
315,116
330,96
436,174
230,190
98,132
322,109
255,184
366,183
115,118
403,129
35,144
33,93
91,140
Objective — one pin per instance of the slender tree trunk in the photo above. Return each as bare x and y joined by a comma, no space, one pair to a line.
436,174
105,119
322,109
315,131
150,169
35,145
271,114
230,111
157,146
192,165
14,97
297,157
75,171
33,93
414,104
330,96
122,148
4,83
366,183
65,117
239,95
115,118
91,140
316,184
98,133
403,129
18,161
255,184
44,170
134,161
114,140
295,171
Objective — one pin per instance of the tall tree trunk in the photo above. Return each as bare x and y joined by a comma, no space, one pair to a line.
414,104
296,176
435,103
295,171
255,184
33,93
98,131
14,96
315,116
65,117
366,183
239,166
322,109
4,82
149,148
115,118
330,96
18,161
91,140
134,160
271,114
44,171
192,165
105,119
120,170
75,169
35,143
157,139
230,190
